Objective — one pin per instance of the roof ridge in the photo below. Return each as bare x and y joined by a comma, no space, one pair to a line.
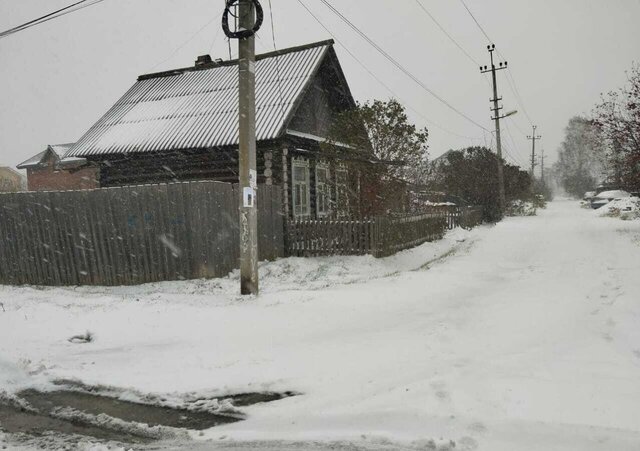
234,62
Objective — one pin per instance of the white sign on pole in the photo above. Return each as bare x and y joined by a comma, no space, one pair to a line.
248,196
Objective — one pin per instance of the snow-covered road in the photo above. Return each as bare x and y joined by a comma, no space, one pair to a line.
526,338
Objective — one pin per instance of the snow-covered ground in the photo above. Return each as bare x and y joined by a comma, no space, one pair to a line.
520,336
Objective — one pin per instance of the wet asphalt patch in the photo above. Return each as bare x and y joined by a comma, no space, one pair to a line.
85,413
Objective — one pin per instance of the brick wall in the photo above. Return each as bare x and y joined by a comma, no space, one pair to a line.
52,179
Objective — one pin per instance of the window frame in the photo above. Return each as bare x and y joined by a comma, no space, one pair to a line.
342,209
323,190
300,210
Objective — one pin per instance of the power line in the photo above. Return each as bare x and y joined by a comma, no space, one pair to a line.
277,58
508,152
512,85
511,81
50,16
376,78
513,142
477,23
398,65
447,34
44,17
191,38
472,59
518,127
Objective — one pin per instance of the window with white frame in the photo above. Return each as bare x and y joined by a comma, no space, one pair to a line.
300,187
323,190
342,198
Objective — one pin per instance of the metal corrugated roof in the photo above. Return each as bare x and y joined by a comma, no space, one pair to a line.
58,149
33,161
189,109
61,149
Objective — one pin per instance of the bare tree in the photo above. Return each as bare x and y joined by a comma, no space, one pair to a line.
618,118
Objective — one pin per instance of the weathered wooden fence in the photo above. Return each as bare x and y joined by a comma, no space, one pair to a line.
469,217
130,235
379,236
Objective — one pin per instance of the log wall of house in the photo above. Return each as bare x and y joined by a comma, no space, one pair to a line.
219,164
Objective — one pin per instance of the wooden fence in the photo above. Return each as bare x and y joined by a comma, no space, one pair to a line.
465,217
130,235
379,236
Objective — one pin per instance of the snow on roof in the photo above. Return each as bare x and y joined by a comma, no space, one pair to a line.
33,161
59,150
197,107
614,194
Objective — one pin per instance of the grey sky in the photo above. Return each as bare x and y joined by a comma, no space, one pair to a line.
58,78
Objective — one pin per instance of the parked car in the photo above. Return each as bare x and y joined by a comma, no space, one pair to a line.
605,197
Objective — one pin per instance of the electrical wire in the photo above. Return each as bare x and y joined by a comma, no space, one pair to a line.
515,146
510,79
517,127
177,49
472,59
398,65
512,85
277,58
447,34
476,21
377,79
50,16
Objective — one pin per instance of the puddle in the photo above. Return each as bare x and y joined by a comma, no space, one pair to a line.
14,420
124,410
248,399
106,418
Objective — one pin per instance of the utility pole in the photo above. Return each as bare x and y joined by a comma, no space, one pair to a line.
496,111
533,138
247,151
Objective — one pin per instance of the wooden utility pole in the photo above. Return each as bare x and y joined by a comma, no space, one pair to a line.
533,138
247,152
496,111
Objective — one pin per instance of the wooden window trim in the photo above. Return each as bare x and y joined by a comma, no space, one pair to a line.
325,191
342,209
300,212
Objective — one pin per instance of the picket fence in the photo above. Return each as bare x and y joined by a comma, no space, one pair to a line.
379,236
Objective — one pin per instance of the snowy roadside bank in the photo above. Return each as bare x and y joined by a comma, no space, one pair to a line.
288,274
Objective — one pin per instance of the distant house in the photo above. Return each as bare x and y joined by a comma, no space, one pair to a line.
183,125
11,180
51,170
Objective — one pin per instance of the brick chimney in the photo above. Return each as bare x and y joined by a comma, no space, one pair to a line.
203,60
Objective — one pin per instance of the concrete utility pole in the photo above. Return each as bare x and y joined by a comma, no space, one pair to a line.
496,111
247,152
533,138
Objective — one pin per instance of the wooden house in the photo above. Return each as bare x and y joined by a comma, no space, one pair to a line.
183,125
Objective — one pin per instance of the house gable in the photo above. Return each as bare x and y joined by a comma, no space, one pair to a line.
326,96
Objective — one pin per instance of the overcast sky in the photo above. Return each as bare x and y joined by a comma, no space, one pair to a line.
58,78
